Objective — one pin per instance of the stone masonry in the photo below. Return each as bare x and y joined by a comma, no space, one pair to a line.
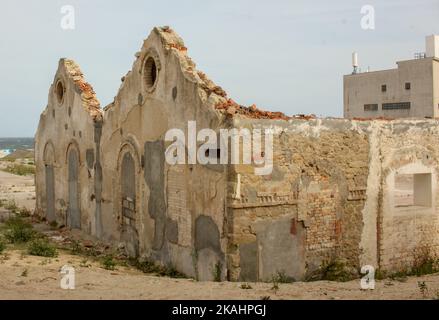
333,192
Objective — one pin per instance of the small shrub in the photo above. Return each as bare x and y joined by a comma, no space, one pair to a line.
75,247
45,262
399,276
24,273
282,277
147,266
171,272
2,246
108,262
23,212
336,271
425,265
379,274
194,255
10,205
20,169
246,286
275,283
332,270
217,272
18,231
423,288
92,252
42,248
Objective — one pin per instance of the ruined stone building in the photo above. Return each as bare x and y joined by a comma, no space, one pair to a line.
361,191
409,91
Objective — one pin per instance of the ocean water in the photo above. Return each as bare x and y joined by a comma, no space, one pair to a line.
11,144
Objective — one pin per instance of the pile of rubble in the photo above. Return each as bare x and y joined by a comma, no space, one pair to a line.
231,108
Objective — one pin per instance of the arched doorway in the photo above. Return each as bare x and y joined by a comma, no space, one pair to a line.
128,200
74,211
49,159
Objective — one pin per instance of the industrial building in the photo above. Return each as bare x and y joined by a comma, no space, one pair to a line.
409,91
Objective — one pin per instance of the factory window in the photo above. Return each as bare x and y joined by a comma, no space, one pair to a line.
396,106
59,91
150,72
407,85
371,107
383,88
413,190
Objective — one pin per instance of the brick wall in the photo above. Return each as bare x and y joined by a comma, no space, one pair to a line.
318,184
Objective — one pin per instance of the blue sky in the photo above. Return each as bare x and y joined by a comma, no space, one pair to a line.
286,56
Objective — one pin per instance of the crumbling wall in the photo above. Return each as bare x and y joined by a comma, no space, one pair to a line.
174,206
408,233
308,209
330,195
64,151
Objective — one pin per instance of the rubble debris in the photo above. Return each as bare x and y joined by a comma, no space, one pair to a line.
230,107
90,102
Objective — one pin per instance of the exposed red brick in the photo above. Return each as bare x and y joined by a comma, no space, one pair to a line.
178,47
88,95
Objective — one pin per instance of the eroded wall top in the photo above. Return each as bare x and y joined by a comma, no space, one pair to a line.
89,100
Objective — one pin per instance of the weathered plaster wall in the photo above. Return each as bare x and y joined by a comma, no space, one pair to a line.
330,195
67,124
411,232
310,205
436,87
175,206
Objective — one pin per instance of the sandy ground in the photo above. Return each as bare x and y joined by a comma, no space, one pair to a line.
28,277
19,188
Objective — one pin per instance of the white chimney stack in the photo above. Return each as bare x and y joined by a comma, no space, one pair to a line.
432,46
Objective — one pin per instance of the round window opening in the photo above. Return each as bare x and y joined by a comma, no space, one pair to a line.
59,90
150,72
